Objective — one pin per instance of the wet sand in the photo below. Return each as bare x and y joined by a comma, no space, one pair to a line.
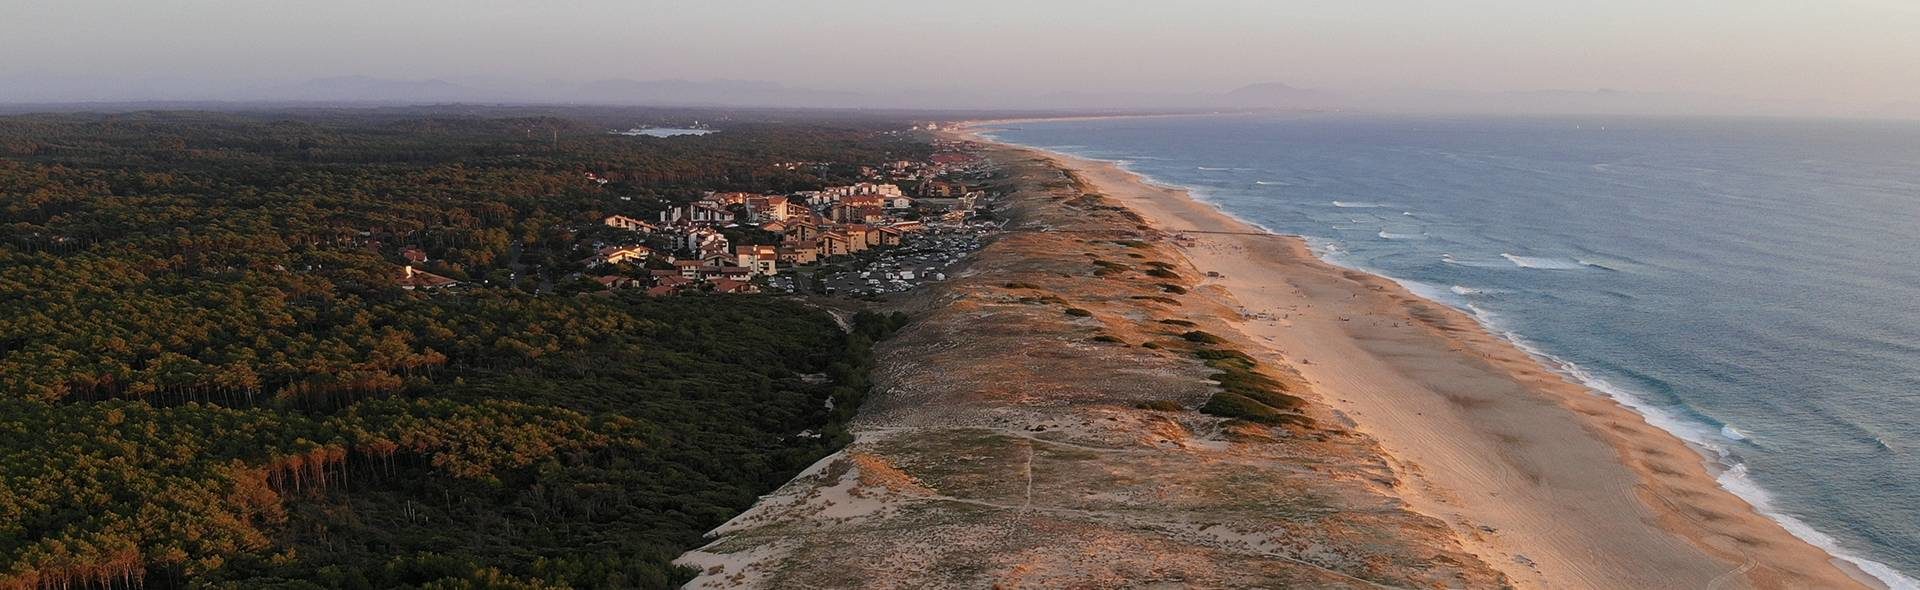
1553,484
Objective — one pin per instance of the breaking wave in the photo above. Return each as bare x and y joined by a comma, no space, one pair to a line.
1542,263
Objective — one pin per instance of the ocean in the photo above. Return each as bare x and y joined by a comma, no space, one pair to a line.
1751,285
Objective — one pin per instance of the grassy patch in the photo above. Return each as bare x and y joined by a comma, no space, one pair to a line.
1245,393
1019,285
1160,405
1086,200
1172,288
1225,358
1108,339
1162,273
1174,322
1079,313
1227,404
1202,337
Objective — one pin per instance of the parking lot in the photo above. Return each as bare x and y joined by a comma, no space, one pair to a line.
923,257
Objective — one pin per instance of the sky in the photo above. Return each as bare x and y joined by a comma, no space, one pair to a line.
1858,54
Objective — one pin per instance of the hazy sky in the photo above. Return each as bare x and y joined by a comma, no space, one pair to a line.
1854,51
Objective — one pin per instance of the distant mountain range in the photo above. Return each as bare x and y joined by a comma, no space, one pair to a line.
744,93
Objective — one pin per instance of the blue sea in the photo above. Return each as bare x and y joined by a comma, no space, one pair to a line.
1751,285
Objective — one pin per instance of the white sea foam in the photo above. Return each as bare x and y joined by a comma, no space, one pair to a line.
1733,434
1386,235
1450,259
1424,290
1542,263
1596,264
1356,205
1463,291
1271,183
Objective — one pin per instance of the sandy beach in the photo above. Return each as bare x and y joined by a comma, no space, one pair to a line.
1553,484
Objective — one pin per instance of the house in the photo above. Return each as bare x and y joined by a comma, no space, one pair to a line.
834,243
616,281
731,198
939,189
738,273
773,208
775,226
704,239
734,286
860,236
864,201
694,270
867,214
908,226
628,223
668,285
796,253
702,212
762,259
809,216
887,236
411,279
413,255
718,258
898,202
846,212
619,254
802,230
865,188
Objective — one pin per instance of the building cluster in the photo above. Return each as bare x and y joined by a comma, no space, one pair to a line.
801,228
686,246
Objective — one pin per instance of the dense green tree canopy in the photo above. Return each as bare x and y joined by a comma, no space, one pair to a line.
209,378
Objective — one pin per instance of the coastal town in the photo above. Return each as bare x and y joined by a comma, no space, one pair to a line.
898,225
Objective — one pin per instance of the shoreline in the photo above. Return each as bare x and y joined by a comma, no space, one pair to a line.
1638,488
1868,572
